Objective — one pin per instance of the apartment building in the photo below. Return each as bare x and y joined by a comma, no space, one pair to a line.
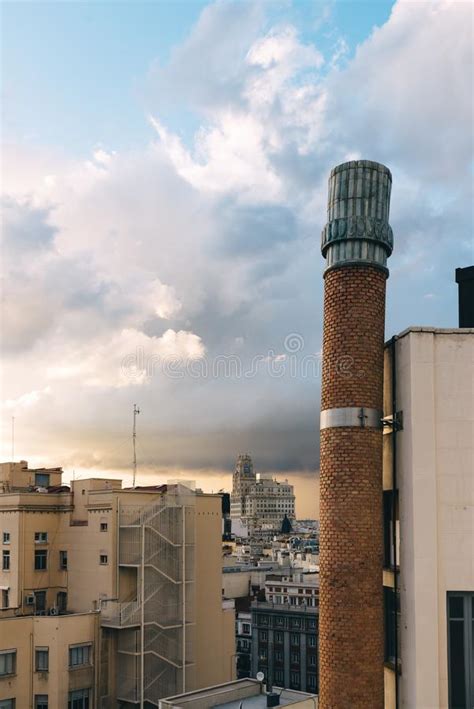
297,589
143,564
428,478
243,644
285,633
260,501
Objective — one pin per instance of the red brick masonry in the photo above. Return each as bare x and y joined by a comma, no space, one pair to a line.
351,547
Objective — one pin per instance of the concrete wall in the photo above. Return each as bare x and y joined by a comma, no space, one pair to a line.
56,633
215,627
236,584
435,479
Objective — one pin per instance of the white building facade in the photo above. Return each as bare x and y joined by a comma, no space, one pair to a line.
429,491
259,500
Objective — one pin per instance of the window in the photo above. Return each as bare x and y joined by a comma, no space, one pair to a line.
42,659
278,656
279,676
312,640
7,704
103,559
103,526
41,537
246,628
6,560
5,598
295,680
392,623
312,660
41,480
278,636
80,655
295,639
41,560
312,684
7,662
62,601
80,699
389,502
6,537
460,649
263,635
312,623
63,560
295,623
41,701
40,601
295,658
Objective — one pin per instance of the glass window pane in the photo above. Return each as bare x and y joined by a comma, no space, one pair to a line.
456,607
457,677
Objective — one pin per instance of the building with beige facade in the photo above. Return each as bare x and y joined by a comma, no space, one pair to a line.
121,586
428,477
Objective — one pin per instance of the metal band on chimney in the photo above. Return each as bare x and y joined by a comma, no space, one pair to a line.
357,231
351,417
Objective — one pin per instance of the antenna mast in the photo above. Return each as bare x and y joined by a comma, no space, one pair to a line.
136,411
13,439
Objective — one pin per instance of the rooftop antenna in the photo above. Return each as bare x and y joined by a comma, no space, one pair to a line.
13,439
136,411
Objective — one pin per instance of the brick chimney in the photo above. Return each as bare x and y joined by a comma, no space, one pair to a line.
356,243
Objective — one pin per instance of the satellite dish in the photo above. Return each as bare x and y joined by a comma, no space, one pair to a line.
260,676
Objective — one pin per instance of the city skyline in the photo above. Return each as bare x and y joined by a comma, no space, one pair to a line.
176,210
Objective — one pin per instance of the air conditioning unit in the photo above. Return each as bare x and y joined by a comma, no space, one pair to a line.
30,599
54,610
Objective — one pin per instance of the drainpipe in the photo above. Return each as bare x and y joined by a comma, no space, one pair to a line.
394,505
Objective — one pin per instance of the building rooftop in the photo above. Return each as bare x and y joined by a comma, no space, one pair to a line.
245,693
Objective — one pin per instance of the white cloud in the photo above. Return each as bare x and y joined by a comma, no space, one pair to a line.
28,399
210,246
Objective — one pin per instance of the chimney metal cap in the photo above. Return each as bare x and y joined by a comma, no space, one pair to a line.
357,231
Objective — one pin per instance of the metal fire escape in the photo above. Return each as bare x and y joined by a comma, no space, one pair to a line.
155,638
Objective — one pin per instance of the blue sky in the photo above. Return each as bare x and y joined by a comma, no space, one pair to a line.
164,186
75,72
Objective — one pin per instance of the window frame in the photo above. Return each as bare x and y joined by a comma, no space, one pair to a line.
45,476
63,560
6,560
40,701
44,651
6,536
71,698
101,559
467,621
41,537
41,554
13,653
80,646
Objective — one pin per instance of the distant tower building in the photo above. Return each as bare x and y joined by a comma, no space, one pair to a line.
260,501
243,478
356,243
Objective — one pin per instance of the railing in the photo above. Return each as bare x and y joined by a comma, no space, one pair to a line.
120,615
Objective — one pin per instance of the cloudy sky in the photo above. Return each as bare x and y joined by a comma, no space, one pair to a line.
164,181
